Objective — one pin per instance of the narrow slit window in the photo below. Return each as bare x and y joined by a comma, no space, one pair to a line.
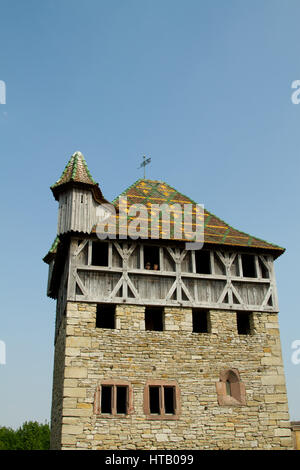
106,399
169,398
202,258
105,316
248,264
99,254
244,323
230,390
263,269
151,258
201,321
154,319
121,399
154,400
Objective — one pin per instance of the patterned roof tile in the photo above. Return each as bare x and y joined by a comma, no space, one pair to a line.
75,170
216,231
77,173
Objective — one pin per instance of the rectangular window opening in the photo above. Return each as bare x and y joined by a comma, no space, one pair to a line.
248,264
105,316
244,323
154,400
122,399
264,270
201,321
151,257
99,254
106,399
202,262
154,319
169,396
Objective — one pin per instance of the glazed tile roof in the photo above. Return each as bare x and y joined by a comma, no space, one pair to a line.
150,192
216,231
76,172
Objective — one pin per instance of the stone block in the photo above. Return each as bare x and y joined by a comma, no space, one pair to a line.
76,372
282,432
79,392
78,342
70,429
273,380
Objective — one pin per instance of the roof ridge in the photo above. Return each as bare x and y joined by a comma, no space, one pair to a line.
54,244
63,173
87,169
125,190
181,194
74,170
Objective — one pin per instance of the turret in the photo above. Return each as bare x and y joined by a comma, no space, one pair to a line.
78,195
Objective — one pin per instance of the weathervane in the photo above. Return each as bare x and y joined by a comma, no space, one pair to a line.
145,162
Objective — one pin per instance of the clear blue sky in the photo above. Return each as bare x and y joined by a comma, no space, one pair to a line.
202,87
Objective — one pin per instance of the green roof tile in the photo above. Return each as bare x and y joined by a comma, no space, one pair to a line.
76,170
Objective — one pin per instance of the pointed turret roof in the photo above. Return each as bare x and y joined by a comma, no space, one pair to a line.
76,173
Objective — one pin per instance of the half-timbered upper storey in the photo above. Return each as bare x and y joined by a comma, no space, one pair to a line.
232,270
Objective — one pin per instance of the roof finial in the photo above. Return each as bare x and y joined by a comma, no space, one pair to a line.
145,162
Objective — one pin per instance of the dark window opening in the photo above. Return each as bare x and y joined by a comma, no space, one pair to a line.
202,262
121,400
243,323
162,400
105,316
154,319
228,388
169,396
263,269
154,400
248,264
106,399
201,323
99,254
151,257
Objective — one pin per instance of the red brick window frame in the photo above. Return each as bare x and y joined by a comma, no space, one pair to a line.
230,390
118,398
166,395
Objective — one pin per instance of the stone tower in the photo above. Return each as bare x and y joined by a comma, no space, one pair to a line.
157,345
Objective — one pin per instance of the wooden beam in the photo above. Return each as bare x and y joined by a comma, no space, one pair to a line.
90,250
80,247
80,284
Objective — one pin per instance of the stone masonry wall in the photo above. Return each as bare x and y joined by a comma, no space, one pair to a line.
193,360
57,387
